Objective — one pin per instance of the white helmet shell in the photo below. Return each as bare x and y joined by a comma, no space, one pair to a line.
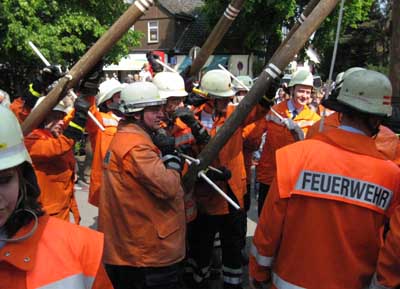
302,77
107,89
246,80
12,148
170,84
138,95
217,83
4,98
367,91
59,106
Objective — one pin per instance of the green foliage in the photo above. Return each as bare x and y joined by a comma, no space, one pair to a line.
62,30
258,21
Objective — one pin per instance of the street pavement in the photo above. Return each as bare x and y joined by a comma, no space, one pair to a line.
89,215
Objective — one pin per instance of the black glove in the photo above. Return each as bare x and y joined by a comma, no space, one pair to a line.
89,85
224,174
173,162
186,115
195,100
199,132
268,99
77,124
47,76
165,143
151,58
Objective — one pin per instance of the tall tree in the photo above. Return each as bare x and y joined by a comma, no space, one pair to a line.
63,30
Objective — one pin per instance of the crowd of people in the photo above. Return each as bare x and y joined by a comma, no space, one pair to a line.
327,171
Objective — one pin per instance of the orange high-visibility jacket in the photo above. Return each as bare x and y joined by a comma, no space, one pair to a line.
54,164
387,142
141,207
58,255
279,136
322,224
100,141
231,157
387,273
19,109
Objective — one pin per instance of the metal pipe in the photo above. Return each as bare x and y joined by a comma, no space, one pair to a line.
38,53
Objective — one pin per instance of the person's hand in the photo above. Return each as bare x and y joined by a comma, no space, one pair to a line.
165,143
151,58
195,100
186,115
49,74
89,85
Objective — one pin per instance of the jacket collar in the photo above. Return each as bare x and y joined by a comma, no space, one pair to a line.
23,254
354,142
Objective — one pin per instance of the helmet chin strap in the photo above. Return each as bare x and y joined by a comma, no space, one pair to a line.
18,209
27,235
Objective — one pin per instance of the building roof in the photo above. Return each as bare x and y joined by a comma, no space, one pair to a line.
194,35
182,7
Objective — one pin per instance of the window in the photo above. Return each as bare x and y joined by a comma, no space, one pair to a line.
152,31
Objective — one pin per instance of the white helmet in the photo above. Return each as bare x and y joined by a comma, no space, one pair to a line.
4,98
59,106
366,91
12,148
302,77
107,89
138,95
246,80
170,84
217,83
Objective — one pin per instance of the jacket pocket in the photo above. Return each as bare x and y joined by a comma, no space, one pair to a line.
168,226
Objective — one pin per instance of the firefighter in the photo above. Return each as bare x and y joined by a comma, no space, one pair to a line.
141,208
38,251
215,214
106,112
51,148
180,123
323,220
292,122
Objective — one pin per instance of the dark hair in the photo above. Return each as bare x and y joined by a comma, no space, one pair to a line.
29,192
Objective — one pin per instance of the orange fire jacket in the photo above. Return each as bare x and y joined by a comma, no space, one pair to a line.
141,207
100,141
19,109
231,157
54,164
58,255
279,136
388,261
387,142
322,224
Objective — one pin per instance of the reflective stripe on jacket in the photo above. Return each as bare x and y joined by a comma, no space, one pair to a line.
58,255
326,230
279,136
101,141
54,164
141,203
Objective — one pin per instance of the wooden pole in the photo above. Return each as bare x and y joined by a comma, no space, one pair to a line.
230,14
277,64
87,62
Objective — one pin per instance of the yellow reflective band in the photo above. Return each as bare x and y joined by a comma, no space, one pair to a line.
34,92
74,125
